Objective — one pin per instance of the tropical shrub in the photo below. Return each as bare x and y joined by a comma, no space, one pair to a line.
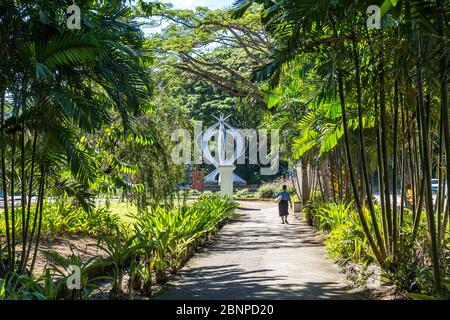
332,215
267,191
242,192
347,243
311,207
122,249
62,218
21,287
168,236
271,189
99,221
245,194
160,240
60,268
52,284
345,240
413,271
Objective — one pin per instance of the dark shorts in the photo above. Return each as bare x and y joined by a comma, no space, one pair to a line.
283,208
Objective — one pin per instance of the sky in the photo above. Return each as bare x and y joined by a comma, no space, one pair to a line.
192,4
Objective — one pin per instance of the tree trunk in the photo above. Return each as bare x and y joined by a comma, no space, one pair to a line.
384,149
394,173
362,151
5,189
305,183
13,214
39,225
427,173
364,224
444,106
380,176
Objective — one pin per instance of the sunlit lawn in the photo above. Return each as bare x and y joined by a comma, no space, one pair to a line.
122,209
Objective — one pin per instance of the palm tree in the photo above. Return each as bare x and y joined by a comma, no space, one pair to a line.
58,83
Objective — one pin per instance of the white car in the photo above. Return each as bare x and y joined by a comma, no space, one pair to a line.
435,186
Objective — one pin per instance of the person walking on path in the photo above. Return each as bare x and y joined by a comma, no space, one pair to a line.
283,204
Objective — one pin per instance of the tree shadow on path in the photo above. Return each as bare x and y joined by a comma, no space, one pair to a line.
230,283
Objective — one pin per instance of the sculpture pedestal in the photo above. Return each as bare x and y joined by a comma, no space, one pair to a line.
226,180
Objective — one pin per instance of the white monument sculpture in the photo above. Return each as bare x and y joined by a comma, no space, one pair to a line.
226,154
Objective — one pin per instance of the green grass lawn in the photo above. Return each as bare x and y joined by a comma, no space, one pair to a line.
122,209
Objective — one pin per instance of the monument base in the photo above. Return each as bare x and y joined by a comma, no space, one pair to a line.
226,180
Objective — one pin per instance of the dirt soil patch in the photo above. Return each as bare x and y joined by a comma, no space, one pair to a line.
82,246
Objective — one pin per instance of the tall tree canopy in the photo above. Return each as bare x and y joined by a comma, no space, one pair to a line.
55,85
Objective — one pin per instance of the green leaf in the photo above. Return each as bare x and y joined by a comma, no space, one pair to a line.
387,5
272,101
418,296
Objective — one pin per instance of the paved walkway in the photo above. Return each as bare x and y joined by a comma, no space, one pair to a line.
257,257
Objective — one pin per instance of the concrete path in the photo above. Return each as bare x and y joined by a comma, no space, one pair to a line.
256,257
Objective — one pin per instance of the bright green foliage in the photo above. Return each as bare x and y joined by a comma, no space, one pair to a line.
121,248
77,221
204,59
62,218
345,240
347,243
379,109
21,288
56,85
168,234
56,275
246,194
267,191
332,215
137,164
271,189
